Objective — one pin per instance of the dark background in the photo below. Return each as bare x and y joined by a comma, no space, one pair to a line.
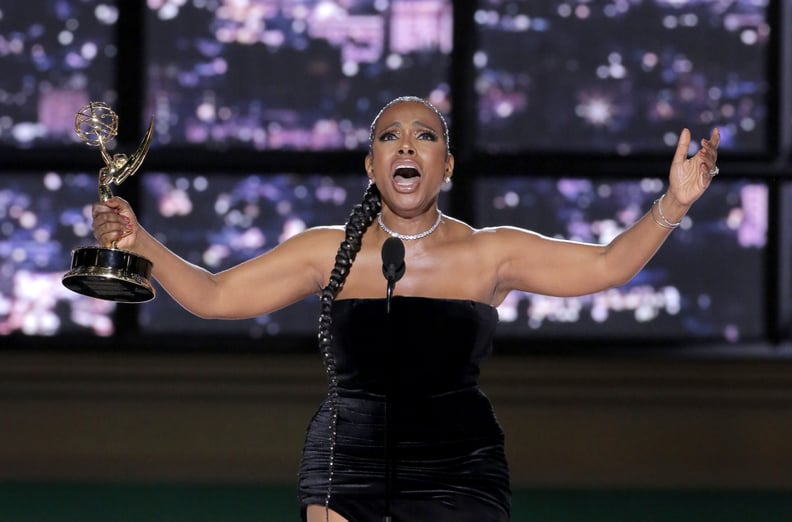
261,117
142,413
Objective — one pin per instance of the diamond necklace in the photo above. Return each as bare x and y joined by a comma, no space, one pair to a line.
408,237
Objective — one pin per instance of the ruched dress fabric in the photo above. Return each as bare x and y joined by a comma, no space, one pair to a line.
445,447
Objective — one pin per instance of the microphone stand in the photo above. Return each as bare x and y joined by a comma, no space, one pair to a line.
389,404
389,294
393,269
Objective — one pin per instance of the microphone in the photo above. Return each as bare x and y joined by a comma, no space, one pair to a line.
392,264
393,270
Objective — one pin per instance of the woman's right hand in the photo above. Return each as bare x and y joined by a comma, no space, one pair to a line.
114,221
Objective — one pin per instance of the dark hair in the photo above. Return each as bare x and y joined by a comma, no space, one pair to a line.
416,99
361,217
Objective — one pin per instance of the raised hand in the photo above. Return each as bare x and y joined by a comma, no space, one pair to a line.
690,177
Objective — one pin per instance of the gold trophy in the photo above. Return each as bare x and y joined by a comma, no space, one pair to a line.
112,274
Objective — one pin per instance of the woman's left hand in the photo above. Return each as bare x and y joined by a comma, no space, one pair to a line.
690,177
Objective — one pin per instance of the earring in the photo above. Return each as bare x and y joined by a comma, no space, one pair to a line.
447,179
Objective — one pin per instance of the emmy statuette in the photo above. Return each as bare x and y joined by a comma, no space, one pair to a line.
112,274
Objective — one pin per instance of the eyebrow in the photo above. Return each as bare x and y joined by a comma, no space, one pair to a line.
418,123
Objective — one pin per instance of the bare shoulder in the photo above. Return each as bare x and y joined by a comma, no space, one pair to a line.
329,232
502,244
493,243
318,240
307,250
504,233
307,255
493,237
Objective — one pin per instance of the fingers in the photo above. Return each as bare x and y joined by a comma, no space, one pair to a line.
711,145
683,145
709,153
715,137
114,204
109,224
117,203
109,227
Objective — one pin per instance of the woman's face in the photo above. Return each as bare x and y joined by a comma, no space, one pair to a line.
408,159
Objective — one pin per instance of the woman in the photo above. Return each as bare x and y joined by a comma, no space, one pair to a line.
405,431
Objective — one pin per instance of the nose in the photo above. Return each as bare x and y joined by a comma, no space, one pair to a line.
406,147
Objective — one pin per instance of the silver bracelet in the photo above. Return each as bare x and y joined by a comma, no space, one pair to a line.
659,223
665,222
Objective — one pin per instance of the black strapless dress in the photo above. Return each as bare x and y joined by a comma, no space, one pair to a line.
445,445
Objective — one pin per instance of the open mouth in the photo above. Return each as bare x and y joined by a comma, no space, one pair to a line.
406,177
406,173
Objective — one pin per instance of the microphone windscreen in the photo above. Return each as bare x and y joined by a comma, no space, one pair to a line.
393,258
392,251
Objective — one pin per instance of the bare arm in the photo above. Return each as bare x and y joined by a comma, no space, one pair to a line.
530,262
287,273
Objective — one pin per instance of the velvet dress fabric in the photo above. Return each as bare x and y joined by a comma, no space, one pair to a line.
444,449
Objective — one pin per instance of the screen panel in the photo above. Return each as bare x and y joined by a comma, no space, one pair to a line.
785,263
290,75
633,75
55,58
42,218
706,282
217,221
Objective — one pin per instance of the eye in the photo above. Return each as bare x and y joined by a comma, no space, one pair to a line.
427,135
387,136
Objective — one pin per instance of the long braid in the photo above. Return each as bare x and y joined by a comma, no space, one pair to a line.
361,217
